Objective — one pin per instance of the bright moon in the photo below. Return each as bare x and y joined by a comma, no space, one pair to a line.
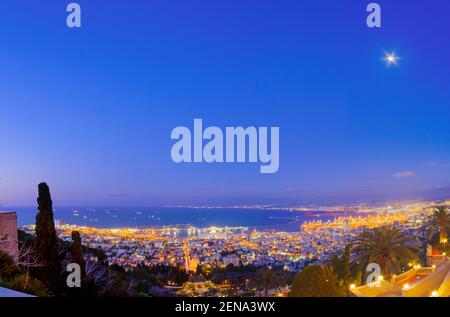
391,59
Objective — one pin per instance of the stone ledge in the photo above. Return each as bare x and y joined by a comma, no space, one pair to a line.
5,292
8,214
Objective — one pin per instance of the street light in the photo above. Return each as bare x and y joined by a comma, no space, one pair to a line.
444,242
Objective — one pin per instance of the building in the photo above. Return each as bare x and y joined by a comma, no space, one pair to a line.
231,259
346,224
8,233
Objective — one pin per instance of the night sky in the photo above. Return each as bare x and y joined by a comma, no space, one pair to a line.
90,111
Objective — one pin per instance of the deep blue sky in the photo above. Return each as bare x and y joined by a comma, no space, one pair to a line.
90,111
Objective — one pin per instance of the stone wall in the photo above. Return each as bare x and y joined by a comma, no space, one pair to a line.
8,233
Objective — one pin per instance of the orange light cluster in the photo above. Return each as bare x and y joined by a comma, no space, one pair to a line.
371,221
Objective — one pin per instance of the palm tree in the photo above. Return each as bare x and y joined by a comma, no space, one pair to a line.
440,220
387,246
268,279
340,263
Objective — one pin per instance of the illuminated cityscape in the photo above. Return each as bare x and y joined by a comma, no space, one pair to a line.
224,155
190,247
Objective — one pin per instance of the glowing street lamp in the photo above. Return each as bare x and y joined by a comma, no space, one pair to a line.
444,242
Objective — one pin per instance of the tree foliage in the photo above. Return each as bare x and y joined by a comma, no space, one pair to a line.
316,281
440,221
46,243
387,246
268,279
14,277
77,253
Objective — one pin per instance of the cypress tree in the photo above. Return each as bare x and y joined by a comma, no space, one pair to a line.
46,243
77,252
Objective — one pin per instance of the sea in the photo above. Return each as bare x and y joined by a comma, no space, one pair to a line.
158,217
